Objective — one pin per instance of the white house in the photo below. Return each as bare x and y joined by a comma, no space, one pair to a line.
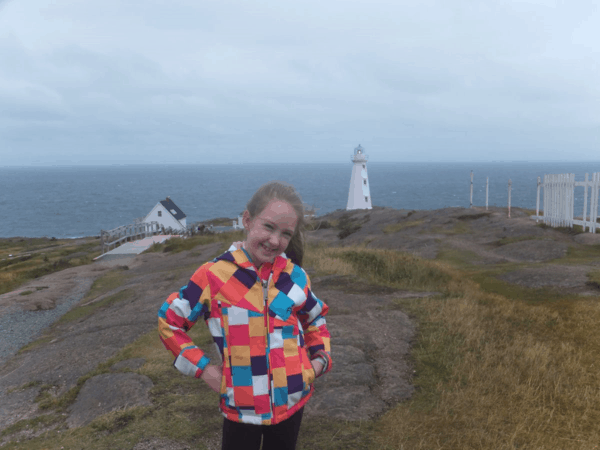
167,214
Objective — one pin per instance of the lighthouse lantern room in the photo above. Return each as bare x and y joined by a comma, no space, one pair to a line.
359,196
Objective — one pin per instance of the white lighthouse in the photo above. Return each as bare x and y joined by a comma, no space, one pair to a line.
359,196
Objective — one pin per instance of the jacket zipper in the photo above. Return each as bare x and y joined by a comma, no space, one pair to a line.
265,284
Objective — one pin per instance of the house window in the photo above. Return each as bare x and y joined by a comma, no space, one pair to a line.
364,167
366,199
160,214
365,182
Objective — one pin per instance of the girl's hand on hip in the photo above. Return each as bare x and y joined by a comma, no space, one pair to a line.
317,366
212,376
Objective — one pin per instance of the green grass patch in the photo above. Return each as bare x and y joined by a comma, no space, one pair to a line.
490,284
513,239
31,425
106,283
572,231
582,254
458,227
474,216
33,344
176,245
27,385
457,257
349,225
594,276
594,279
395,227
80,312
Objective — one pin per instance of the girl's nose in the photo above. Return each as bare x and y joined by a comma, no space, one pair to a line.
274,239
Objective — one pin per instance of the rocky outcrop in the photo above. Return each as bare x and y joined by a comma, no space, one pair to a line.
106,393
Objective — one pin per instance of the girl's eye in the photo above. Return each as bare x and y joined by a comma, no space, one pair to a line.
268,226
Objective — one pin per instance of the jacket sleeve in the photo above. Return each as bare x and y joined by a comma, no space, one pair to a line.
177,315
316,334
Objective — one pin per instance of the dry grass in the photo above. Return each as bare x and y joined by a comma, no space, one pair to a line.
378,266
493,371
594,277
524,377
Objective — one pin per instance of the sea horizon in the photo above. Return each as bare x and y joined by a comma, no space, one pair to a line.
276,163
79,200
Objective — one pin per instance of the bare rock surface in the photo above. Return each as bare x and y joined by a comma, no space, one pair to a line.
128,364
75,348
561,276
533,250
108,392
370,349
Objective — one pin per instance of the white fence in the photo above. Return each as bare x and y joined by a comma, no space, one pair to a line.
132,232
559,201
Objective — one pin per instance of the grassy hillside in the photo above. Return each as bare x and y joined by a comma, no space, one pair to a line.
496,367
24,259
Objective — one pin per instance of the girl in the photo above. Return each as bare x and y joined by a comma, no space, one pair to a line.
268,326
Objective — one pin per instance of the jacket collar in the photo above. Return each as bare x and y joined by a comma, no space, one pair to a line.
240,259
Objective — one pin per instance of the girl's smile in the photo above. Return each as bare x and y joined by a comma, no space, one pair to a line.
269,233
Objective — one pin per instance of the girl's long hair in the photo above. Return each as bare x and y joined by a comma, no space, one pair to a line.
286,193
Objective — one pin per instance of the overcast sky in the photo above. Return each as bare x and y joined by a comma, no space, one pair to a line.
218,81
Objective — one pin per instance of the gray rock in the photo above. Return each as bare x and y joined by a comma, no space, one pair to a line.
533,250
345,402
108,392
132,364
17,405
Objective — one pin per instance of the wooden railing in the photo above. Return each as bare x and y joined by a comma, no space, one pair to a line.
138,230
559,201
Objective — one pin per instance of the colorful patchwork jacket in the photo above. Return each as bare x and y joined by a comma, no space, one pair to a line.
266,332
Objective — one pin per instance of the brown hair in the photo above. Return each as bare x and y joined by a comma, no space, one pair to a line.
286,193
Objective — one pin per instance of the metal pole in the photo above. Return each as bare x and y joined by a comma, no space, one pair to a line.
509,189
487,190
537,203
592,221
471,196
585,201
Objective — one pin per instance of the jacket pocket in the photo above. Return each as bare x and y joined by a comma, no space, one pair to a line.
308,373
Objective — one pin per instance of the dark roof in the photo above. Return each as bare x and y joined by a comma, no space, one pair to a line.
172,208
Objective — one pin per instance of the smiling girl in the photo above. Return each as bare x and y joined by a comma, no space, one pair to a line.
267,324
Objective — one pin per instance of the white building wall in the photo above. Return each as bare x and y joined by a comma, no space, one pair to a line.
359,196
166,219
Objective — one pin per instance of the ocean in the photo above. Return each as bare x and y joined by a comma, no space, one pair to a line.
76,201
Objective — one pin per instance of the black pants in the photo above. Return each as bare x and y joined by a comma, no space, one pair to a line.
243,436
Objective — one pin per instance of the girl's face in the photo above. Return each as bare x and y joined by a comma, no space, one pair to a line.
270,232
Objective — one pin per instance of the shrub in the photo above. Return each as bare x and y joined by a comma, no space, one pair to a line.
348,225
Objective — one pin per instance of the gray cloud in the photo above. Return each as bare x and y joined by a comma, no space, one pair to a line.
230,81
